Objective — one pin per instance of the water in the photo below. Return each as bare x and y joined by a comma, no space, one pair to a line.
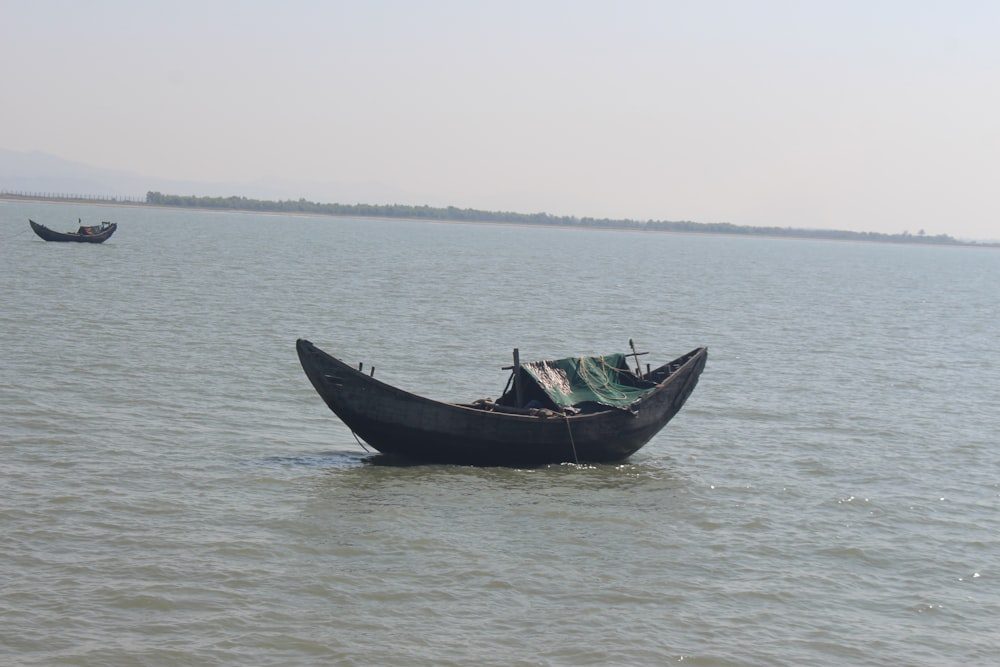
175,493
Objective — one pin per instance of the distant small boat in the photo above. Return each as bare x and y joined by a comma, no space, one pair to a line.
580,409
85,234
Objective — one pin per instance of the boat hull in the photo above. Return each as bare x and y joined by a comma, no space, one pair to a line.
71,237
397,422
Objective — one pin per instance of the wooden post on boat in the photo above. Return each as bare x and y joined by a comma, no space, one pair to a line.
518,391
636,355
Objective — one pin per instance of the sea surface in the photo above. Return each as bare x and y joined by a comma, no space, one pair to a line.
174,492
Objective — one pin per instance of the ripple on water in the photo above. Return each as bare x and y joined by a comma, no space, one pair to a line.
827,496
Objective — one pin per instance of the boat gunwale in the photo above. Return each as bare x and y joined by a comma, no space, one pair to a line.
690,358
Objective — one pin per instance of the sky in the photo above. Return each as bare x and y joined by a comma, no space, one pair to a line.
875,115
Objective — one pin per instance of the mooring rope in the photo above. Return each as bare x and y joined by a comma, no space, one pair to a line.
572,444
359,441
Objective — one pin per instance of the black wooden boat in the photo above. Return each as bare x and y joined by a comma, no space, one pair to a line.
85,233
593,409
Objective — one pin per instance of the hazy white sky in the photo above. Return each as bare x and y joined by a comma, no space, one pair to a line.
866,115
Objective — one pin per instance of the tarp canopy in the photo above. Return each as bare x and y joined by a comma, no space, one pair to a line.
579,380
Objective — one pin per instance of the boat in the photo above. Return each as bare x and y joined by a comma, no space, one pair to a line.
573,410
84,234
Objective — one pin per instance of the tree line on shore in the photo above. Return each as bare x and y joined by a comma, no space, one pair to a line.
454,214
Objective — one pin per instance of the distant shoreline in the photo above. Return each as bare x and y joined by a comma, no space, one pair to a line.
472,216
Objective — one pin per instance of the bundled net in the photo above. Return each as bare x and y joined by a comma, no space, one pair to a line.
581,380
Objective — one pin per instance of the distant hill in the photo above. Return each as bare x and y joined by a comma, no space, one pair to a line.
37,172
41,173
